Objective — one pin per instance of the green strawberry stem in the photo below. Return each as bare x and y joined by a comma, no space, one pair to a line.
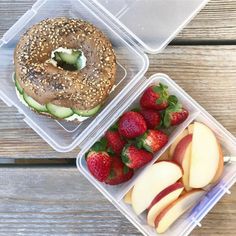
161,89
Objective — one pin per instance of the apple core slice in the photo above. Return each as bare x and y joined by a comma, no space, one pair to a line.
155,179
190,128
127,198
165,156
162,200
177,208
205,156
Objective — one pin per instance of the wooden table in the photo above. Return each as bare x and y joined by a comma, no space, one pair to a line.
49,197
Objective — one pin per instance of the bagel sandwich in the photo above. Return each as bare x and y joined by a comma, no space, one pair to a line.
64,69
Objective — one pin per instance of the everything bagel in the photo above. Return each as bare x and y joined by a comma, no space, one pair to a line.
64,67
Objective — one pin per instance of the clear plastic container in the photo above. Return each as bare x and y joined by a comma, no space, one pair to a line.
115,194
134,27
131,66
131,34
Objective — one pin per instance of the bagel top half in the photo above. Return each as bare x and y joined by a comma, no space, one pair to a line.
46,82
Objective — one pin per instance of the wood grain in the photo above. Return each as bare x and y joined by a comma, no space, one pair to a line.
60,201
217,21
198,69
207,73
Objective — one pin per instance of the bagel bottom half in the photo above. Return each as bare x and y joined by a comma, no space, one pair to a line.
53,111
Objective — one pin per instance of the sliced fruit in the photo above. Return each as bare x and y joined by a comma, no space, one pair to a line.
87,113
205,156
174,144
177,208
35,105
190,128
182,156
162,200
165,156
155,179
220,168
127,198
59,112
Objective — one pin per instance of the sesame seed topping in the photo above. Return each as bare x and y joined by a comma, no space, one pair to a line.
46,83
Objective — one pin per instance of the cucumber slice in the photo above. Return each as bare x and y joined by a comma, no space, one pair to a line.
35,105
19,88
70,58
59,112
87,113
57,57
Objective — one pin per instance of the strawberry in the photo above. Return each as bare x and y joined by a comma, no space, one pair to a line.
135,158
131,124
115,142
119,173
99,164
152,118
175,114
152,140
155,97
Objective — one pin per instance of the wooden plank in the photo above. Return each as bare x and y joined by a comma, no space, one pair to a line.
207,73
18,140
60,201
217,21
198,69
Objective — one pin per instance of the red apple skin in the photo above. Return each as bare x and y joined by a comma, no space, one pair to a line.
162,214
174,144
181,148
165,192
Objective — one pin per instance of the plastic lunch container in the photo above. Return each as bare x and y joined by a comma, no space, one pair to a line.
115,194
131,33
134,27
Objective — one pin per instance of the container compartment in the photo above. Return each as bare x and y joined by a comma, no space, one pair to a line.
132,99
131,65
187,222
115,194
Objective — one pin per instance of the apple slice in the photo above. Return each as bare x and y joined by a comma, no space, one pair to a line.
172,212
174,144
155,179
182,155
190,128
165,156
220,168
205,156
162,200
127,198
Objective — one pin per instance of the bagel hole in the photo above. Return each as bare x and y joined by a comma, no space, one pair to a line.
69,59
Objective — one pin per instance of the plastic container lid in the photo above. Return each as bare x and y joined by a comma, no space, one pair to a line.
131,35
151,23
